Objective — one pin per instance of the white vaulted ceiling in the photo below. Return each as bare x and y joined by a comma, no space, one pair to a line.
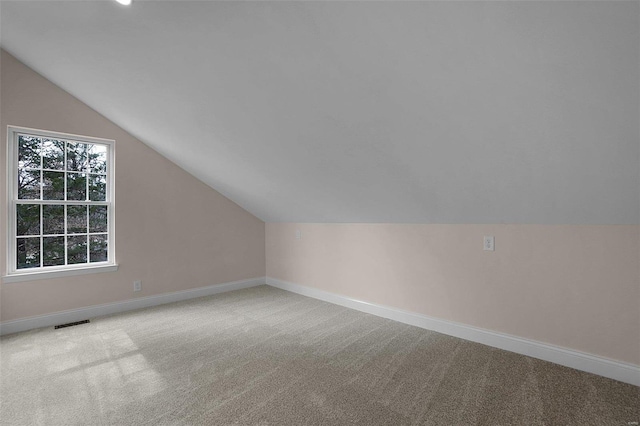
427,112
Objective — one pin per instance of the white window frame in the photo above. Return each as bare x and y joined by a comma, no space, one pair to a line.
12,273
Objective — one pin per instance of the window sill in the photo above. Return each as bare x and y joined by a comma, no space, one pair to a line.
42,275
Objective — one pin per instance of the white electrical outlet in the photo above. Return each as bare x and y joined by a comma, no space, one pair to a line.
489,243
298,234
137,285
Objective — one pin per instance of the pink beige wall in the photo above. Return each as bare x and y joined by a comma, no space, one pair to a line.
576,287
172,231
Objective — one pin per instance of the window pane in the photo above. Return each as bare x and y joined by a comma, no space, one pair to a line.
28,151
98,158
98,248
28,219
97,188
76,219
76,156
97,218
52,154
52,219
76,186
52,251
28,253
53,185
29,184
77,249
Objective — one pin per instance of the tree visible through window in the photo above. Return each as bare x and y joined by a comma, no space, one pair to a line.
61,200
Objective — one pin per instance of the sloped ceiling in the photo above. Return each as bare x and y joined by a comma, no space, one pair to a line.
425,112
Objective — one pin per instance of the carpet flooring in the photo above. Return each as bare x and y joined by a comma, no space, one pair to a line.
264,356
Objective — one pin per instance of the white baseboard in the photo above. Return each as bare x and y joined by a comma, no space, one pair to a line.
616,370
73,315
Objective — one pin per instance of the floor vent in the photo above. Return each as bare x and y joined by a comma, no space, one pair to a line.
71,324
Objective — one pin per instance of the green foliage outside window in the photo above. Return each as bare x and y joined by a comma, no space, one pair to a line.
50,234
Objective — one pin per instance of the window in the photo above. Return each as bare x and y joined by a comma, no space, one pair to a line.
61,212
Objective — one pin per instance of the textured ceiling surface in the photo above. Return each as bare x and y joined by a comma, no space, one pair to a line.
424,112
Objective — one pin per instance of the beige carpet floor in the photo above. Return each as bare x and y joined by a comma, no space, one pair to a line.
263,356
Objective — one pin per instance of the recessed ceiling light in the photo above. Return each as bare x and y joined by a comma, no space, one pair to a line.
124,2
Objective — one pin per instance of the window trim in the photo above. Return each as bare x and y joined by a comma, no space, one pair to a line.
12,273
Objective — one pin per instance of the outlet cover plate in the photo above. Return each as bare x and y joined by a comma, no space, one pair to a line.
489,243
